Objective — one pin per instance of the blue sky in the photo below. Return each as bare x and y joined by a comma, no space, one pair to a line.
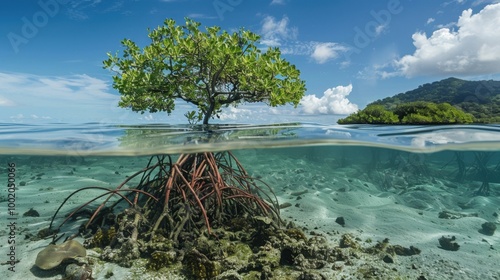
350,53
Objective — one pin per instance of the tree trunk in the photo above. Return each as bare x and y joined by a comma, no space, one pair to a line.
209,112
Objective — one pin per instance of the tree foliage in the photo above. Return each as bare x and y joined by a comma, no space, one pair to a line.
373,114
418,112
210,69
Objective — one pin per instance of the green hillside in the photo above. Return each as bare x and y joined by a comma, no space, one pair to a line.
479,98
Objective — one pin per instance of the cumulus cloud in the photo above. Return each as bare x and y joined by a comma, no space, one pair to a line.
472,49
334,101
274,32
323,52
430,20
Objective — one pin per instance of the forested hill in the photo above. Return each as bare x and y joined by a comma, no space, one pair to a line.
479,98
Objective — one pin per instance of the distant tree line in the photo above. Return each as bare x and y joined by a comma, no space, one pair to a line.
478,98
411,113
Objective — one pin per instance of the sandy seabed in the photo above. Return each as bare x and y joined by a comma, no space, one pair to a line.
405,213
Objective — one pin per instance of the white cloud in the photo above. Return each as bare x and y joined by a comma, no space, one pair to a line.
278,2
234,113
320,52
324,52
258,113
5,102
280,34
275,32
21,117
480,2
449,25
261,113
334,101
447,3
201,16
430,20
76,98
380,29
298,48
472,49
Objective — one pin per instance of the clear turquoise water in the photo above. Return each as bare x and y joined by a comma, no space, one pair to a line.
426,169
103,139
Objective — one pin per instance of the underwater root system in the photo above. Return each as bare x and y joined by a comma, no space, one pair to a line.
174,201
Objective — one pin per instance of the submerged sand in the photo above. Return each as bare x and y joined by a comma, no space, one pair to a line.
376,203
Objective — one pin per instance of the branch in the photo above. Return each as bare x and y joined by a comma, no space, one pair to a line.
188,99
217,74
238,95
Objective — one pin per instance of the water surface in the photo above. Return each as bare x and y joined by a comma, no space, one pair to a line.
386,181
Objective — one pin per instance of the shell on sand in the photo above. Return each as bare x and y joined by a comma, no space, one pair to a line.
53,255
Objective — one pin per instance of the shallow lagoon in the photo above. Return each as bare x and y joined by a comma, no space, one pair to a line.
410,185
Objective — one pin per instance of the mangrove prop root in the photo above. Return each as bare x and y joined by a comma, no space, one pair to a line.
193,194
